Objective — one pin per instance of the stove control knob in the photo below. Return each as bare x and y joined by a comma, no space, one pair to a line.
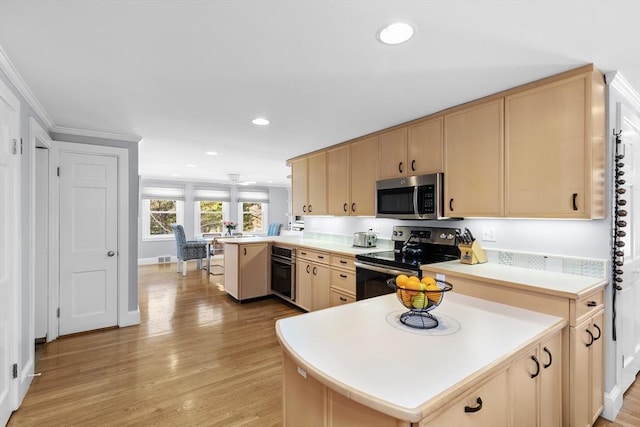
443,236
450,236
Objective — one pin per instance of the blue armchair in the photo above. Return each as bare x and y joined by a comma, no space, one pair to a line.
188,250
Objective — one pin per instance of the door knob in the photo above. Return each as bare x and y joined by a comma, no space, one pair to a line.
111,253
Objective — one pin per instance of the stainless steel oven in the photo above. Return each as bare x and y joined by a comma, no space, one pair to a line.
283,272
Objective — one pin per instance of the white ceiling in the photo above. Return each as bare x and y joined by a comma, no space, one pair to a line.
188,76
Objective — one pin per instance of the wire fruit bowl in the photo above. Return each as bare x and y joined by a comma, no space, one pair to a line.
420,302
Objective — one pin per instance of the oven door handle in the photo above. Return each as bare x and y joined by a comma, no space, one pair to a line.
384,270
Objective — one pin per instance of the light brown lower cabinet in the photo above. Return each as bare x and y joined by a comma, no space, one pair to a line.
312,280
587,370
521,394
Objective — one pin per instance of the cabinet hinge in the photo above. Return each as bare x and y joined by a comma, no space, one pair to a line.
58,312
15,370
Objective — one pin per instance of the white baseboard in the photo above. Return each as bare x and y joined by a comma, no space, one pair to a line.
612,404
130,318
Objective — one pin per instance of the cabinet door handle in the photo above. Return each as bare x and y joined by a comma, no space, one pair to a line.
475,408
535,359
599,332
245,251
546,350
345,207
344,276
413,165
308,269
451,205
400,167
575,201
309,208
315,270
591,336
353,207
304,208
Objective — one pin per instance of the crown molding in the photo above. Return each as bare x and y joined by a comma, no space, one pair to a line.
16,79
617,81
96,134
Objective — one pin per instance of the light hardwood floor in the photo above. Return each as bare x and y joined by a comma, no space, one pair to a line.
196,359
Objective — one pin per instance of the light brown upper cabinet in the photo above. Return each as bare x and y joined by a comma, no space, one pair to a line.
412,150
309,185
554,149
351,178
473,160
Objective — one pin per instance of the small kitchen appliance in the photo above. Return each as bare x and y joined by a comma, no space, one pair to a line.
411,197
428,245
365,239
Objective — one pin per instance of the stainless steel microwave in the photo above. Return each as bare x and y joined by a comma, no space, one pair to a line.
412,197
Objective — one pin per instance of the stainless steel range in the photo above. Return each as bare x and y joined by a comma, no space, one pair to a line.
413,247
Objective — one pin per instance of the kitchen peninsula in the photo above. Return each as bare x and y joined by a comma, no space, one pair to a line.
358,365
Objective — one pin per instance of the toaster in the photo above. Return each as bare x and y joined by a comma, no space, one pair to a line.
365,239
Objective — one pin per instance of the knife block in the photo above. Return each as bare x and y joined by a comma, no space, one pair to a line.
472,253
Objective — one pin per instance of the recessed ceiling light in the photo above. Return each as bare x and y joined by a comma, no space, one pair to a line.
260,121
396,33
175,174
211,153
190,165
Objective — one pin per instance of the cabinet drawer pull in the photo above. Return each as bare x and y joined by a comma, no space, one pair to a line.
591,304
400,167
546,350
476,408
343,299
599,332
575,201
535,359
320,256
343,261
303,253
344,276
591,336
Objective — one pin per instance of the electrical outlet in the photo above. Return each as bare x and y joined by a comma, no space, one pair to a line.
489,234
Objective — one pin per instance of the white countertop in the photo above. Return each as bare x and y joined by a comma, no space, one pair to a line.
315,244
552,283
362,351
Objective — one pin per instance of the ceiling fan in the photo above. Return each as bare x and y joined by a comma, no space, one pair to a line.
235,180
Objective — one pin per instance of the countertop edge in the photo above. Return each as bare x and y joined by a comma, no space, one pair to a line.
598,283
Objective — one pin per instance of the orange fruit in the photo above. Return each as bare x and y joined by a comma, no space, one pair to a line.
413,286
428,280
405,297
436,294
401,280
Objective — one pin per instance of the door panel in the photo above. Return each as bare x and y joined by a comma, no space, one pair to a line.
88,242
10,249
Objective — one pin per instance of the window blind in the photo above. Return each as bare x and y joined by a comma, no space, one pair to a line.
253,196
211,194
163,193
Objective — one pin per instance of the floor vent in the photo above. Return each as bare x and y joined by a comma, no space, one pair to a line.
164,259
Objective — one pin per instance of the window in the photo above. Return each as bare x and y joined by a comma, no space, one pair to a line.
253,216
252,210
209,216
158,215
211,208
161,207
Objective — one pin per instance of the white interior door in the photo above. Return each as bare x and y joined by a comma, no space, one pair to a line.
629,297
88,242
10,249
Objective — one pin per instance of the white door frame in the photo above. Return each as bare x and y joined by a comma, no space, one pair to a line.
125,317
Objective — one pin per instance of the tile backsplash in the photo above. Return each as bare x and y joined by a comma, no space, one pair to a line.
556,263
